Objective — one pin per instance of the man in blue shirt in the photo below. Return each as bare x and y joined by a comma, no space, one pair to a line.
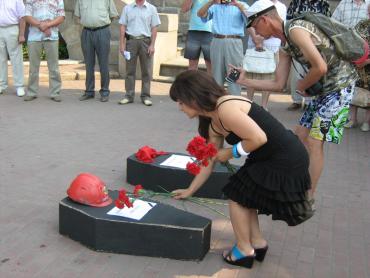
228,21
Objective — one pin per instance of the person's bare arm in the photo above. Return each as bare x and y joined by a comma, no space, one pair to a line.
240,6
257,39
32,21
153,37
122,38
44,25
22,28
318,68
275,85
186,6
203,11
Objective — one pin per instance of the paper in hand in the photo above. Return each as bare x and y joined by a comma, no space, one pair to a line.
127,55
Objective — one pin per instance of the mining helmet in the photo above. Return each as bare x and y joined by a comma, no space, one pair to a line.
89,189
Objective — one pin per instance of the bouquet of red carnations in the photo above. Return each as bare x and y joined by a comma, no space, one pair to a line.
202,151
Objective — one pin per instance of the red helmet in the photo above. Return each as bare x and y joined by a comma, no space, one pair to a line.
89,190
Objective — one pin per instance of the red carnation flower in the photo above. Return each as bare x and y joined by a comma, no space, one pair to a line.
122,197
205,162
119,204
138,190
147,154
122,194
202,151
193,168
195,146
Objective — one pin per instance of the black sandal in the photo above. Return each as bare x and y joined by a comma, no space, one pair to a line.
261,253
240,258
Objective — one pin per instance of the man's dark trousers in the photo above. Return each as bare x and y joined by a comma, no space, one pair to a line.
96,42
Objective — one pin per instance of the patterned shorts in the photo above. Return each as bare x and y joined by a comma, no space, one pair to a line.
326,115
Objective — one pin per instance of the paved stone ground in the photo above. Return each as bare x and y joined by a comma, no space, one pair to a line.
44,145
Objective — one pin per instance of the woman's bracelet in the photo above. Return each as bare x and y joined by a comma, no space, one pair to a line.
240,150
235,152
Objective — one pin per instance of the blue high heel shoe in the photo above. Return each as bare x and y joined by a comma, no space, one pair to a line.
240,258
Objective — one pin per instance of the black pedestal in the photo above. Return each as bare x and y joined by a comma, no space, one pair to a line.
163,232
152,175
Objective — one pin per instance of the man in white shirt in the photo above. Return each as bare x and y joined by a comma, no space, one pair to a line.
138,32
350,12
12,26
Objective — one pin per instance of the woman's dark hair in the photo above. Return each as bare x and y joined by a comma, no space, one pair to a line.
198,90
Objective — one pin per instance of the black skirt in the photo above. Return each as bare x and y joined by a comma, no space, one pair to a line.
276,185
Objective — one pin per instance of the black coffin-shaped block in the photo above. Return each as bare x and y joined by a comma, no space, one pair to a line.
152,175
163,232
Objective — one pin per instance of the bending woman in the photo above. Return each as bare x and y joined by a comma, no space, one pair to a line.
274,178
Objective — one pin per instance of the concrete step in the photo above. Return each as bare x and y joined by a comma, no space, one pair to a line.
164,79
180,50
177,65
69,70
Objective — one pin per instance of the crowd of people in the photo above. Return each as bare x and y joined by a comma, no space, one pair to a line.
138,21
282,168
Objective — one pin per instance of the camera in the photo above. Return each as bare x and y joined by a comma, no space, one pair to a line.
315,90
233,76
225,1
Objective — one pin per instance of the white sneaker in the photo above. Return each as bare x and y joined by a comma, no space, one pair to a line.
365,127
20,92
147,102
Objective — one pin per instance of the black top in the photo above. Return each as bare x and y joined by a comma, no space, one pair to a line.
280,141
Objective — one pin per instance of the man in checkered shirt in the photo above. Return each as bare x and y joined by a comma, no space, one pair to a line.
350,12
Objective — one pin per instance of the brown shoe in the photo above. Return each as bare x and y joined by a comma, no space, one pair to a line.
294,106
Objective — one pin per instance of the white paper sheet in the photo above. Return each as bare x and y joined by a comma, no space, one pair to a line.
177,161
139,209
127,55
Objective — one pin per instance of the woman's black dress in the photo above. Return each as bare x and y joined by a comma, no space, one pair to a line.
275,178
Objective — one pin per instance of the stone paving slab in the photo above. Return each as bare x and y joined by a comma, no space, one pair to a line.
44,145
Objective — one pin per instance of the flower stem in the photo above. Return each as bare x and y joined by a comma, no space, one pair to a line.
208,207
204,202
229,167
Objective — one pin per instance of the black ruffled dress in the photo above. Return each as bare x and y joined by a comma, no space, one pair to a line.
275,178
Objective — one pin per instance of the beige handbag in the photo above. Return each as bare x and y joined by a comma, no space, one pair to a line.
361,98
259,61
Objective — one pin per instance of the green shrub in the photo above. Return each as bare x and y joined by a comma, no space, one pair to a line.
63,51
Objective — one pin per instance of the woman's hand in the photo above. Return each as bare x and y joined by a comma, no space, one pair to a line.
181,193
224,155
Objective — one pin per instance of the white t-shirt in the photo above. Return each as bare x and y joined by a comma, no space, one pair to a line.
272,43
